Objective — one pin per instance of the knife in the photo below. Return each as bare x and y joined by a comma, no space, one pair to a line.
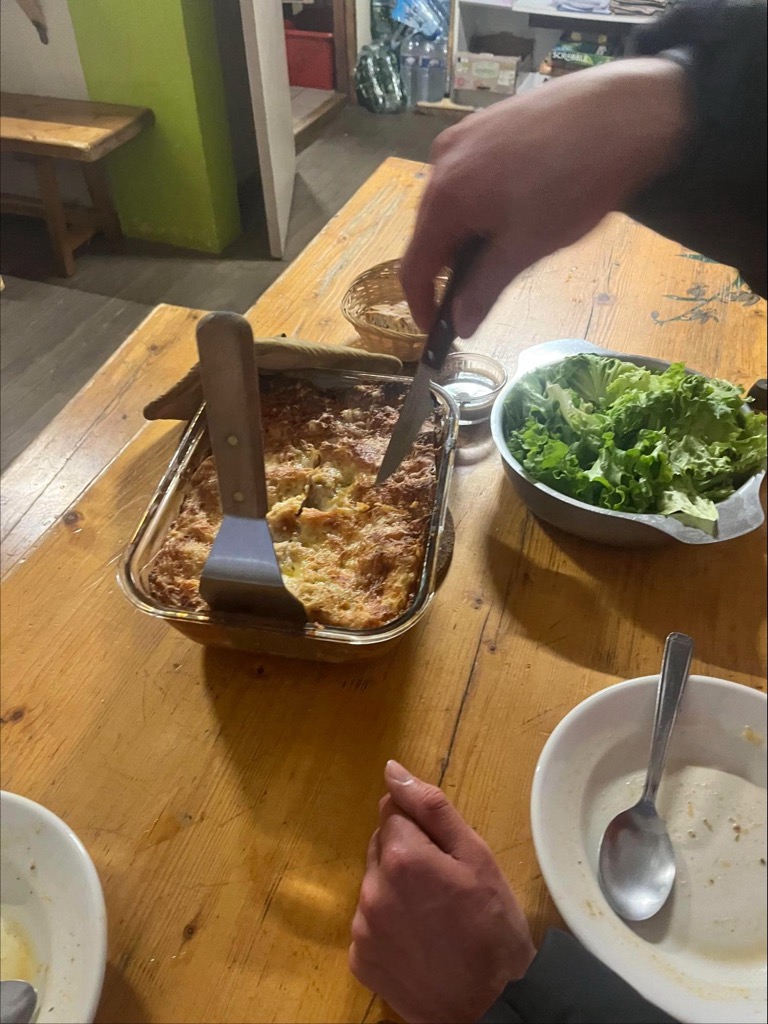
418,401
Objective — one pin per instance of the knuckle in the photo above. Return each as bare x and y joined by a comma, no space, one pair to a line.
360,931
399,862
434,800
368,901
445,193
445,141
440,182
438,147
362,968
356,963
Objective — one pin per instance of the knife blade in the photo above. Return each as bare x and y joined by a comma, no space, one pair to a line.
418,401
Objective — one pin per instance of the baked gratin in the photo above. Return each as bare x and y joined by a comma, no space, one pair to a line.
351,552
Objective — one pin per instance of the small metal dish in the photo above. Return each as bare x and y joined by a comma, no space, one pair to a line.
739,514
473,381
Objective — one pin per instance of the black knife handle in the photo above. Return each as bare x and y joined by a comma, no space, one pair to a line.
759,395
443,333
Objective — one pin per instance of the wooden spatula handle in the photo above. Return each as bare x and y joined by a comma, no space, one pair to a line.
233,409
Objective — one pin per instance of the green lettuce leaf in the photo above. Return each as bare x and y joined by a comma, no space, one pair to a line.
619,436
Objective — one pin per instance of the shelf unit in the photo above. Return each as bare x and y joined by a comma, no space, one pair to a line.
532,19
546,9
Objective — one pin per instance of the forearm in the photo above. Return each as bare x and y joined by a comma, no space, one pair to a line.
714,198
566,985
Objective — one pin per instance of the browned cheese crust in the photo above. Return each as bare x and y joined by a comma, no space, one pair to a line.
352,553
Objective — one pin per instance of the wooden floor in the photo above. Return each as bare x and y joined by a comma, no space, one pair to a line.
305,104
312,109
56,332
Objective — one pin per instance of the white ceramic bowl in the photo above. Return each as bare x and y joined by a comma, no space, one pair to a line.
51,896
702,958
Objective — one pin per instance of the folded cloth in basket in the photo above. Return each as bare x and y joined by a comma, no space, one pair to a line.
273,355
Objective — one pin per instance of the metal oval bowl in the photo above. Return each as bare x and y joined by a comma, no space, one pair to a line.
741,513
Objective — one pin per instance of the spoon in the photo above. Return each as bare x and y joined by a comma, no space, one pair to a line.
18,1002
637,861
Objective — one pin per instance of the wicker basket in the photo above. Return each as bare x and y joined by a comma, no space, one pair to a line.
379,285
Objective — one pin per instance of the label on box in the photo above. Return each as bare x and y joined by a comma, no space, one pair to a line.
486,72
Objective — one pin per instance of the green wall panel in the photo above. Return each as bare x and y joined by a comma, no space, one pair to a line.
175,182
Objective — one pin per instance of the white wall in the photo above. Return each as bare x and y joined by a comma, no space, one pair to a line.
26,65
363,14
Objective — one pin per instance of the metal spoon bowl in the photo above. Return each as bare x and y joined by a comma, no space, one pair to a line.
637,860
18,1002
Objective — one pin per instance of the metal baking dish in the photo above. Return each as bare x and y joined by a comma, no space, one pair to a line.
242,632
741,513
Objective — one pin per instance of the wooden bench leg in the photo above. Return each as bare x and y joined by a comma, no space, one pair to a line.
101,197
55,218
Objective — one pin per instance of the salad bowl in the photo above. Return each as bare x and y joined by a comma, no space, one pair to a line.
738,514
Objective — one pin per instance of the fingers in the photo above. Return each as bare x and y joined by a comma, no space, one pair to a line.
495,268
402,839
373,852
360,967
429,809
439,234
436,238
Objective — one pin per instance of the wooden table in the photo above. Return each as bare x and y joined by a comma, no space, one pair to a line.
42,129
227,800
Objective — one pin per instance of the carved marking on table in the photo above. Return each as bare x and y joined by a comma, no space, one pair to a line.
702,307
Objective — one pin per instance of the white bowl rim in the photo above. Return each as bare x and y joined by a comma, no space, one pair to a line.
573,919
90,995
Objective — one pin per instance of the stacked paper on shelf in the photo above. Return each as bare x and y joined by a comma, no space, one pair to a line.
584,6
638,7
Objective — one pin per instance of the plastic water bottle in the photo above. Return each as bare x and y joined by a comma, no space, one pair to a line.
426,52
377,79
409,66
388,74
438,71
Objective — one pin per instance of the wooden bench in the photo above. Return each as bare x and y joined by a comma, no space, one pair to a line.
43,129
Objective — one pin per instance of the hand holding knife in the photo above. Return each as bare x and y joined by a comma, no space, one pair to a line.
418,401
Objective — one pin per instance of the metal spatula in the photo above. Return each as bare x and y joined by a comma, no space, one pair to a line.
241,573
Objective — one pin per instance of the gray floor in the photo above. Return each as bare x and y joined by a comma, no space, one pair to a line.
57,332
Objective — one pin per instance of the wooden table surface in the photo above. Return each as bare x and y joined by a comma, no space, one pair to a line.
227,799
67,129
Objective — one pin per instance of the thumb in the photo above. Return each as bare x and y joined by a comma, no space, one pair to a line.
429,808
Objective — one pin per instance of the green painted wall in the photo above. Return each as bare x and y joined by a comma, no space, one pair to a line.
175,182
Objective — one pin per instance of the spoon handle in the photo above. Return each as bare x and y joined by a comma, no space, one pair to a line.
675,666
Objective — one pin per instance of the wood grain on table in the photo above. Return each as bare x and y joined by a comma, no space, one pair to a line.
67,129
227,800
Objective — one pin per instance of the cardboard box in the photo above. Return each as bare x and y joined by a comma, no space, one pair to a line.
483,78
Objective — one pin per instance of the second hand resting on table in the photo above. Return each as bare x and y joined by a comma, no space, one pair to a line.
439,934
437,927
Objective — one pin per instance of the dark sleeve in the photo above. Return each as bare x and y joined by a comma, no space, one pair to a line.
715,200
566,985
